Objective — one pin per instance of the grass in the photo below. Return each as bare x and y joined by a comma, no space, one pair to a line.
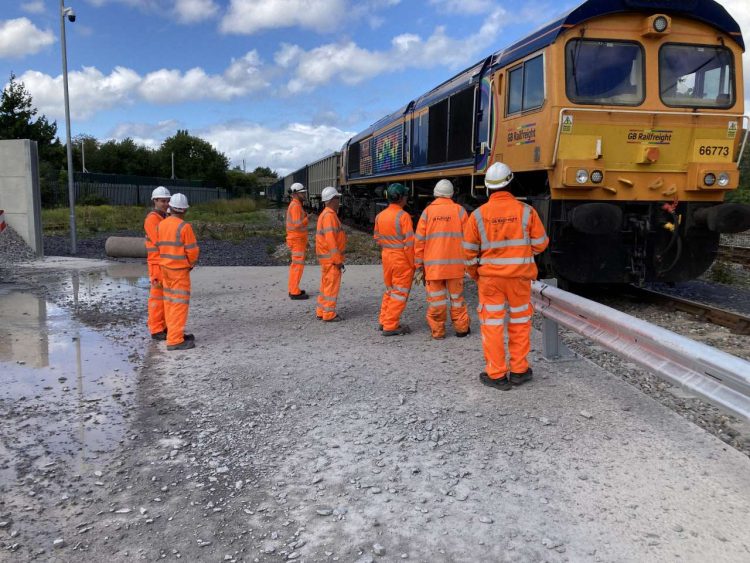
233,219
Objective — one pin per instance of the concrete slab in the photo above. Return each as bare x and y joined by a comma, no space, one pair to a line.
351,439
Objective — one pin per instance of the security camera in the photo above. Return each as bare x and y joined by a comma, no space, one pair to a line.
70,13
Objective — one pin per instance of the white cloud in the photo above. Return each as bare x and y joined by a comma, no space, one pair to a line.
463,6
283,150
352,64
192,11
740,11
33,7
20,37
148,134
250,16
92,91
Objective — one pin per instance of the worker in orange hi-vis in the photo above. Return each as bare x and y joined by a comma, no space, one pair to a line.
178,254
330,244
296,239
394,232
439,256
157,326
500,240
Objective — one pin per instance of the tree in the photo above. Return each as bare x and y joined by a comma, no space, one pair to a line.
194,159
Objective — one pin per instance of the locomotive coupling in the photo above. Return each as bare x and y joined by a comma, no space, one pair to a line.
725,217
596,218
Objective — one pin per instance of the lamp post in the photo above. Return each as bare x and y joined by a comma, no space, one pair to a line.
70,14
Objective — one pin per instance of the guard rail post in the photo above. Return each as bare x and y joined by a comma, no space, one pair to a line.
551,344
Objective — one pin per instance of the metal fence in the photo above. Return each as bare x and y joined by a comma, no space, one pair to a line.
114,189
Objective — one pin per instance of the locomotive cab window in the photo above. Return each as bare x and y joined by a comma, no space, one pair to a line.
604,72
696,76
526,86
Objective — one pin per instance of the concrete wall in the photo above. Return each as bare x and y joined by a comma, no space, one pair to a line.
20,195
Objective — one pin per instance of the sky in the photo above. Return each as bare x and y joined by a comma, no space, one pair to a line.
275,83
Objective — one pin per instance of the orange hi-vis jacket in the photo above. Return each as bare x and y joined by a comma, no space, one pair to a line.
151,225
439,248
394,232
296,221
330,238
178,247
501,238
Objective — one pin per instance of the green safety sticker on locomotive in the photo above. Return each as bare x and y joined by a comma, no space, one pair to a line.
650,136
732,130
567,124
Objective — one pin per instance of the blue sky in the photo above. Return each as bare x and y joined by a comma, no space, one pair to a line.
274,82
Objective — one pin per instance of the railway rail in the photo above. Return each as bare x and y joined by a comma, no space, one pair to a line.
736,254
736,322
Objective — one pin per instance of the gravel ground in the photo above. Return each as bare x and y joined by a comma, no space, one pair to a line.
280,438
13,248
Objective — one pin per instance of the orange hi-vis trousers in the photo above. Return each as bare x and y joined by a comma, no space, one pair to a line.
297,266
439,294
156,322
498,296
176,303
330,283
397,276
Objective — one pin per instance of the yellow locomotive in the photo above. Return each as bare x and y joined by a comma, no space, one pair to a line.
622,120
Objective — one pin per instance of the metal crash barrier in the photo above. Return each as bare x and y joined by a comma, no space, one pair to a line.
713,375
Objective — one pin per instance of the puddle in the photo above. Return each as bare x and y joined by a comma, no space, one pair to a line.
67,376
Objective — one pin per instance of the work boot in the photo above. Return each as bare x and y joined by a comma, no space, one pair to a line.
380,328
521,378
501,383
441,337
463,334
159,335
184,345
299,296
187,336
403,329
336,319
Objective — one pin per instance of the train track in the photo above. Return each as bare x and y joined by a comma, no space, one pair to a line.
736,322
736,254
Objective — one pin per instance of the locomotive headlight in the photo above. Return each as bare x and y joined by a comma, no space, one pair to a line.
723,179
660,24
597,176
582,176
709,179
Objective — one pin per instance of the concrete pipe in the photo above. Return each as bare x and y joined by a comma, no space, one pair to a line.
125,247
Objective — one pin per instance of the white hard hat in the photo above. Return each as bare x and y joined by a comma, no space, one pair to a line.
297,188
444,188
328,194
160,192
178,202
498,176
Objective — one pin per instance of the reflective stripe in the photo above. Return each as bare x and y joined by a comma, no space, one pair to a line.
189,246
436,293
388,237
152,250
300,262
418,261
296,229
508,242
328,298
177,236
423,216
539,240
525,220
520,320
174,256
461,212
438,262
449,234
397,246
492,322
471,262
457,304
418,236
151,298
330,230
329,254
176,300
456,296
402,289
500,307
294,222
470,246
329,309
169,243
399,297
519,309
480,227
176,291
398,223
503,261
297,253
441,303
